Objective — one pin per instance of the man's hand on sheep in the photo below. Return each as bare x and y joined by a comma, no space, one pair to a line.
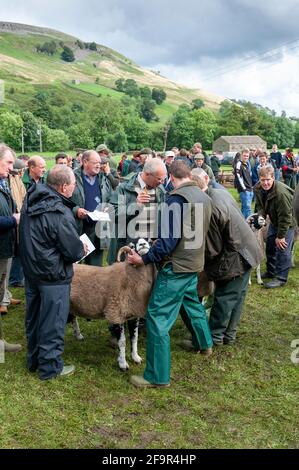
81,213
135,259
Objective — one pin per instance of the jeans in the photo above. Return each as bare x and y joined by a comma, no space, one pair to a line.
279,261
246,199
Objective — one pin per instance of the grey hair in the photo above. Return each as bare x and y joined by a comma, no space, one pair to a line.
87,154
4,149
59,175
153,165
199,176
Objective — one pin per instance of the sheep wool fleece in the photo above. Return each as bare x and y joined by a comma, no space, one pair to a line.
173,293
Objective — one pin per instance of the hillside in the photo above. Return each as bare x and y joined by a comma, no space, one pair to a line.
25,71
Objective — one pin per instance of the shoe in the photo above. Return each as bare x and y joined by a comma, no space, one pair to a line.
187,344
228,342
206,352
140,382
10,347
17,285
267,275
3,310
67,370
275,283
15,301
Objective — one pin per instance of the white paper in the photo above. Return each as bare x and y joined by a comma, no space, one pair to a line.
84,239
99,215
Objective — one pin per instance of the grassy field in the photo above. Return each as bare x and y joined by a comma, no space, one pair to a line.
245,396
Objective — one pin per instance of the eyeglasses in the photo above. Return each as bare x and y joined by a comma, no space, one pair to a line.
159,179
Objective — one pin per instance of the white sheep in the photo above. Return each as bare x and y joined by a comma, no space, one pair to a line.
259,227
119,292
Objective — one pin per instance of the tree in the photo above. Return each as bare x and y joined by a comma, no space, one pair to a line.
296,133
181,132
93,46
120,84
131,88
117,142
31,127
158,95
204,126
80,136
10,129
67,54
145,92
148,110
198,103
56,140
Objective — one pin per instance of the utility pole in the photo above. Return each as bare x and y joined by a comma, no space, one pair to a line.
22,137
39,132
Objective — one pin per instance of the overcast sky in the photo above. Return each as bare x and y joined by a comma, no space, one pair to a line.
191,41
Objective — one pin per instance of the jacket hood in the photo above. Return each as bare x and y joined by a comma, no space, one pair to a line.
41,198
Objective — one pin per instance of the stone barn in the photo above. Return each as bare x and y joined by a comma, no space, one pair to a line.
235,143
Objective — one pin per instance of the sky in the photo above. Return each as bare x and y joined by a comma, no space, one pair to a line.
241,49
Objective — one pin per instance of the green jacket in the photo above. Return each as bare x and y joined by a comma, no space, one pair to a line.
231,246
189,255
278,206
78,197
127,191
27,180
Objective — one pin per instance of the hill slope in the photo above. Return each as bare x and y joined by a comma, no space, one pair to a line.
25,70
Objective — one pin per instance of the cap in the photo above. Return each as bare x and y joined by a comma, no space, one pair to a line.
145,151
169,153
102,148
19,164
199,156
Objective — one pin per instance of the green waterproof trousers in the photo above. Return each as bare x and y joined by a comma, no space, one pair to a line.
173,293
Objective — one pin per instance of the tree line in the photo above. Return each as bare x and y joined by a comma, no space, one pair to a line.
122,126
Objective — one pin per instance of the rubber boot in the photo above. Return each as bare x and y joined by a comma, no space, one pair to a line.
8,347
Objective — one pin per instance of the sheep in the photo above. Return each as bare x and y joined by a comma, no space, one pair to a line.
119,292
259,227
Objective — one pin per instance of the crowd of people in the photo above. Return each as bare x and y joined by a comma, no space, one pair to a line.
173,198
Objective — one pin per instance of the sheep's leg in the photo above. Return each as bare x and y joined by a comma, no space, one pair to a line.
76,329
258,275
133,330
249,282
121,340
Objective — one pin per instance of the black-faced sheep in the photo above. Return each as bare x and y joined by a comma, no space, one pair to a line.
119,292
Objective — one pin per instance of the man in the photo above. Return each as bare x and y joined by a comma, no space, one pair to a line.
147,190
35,172
276,158
275,199
199,163
92,190
61,159
180,256
231,252
9,220
215,165
50,245
104,152
139,158
289,168
243,182
197,148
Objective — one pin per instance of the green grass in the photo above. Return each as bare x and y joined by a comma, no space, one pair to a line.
94,89
244,396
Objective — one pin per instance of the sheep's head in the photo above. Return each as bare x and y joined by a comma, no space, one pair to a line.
142,246
256,221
